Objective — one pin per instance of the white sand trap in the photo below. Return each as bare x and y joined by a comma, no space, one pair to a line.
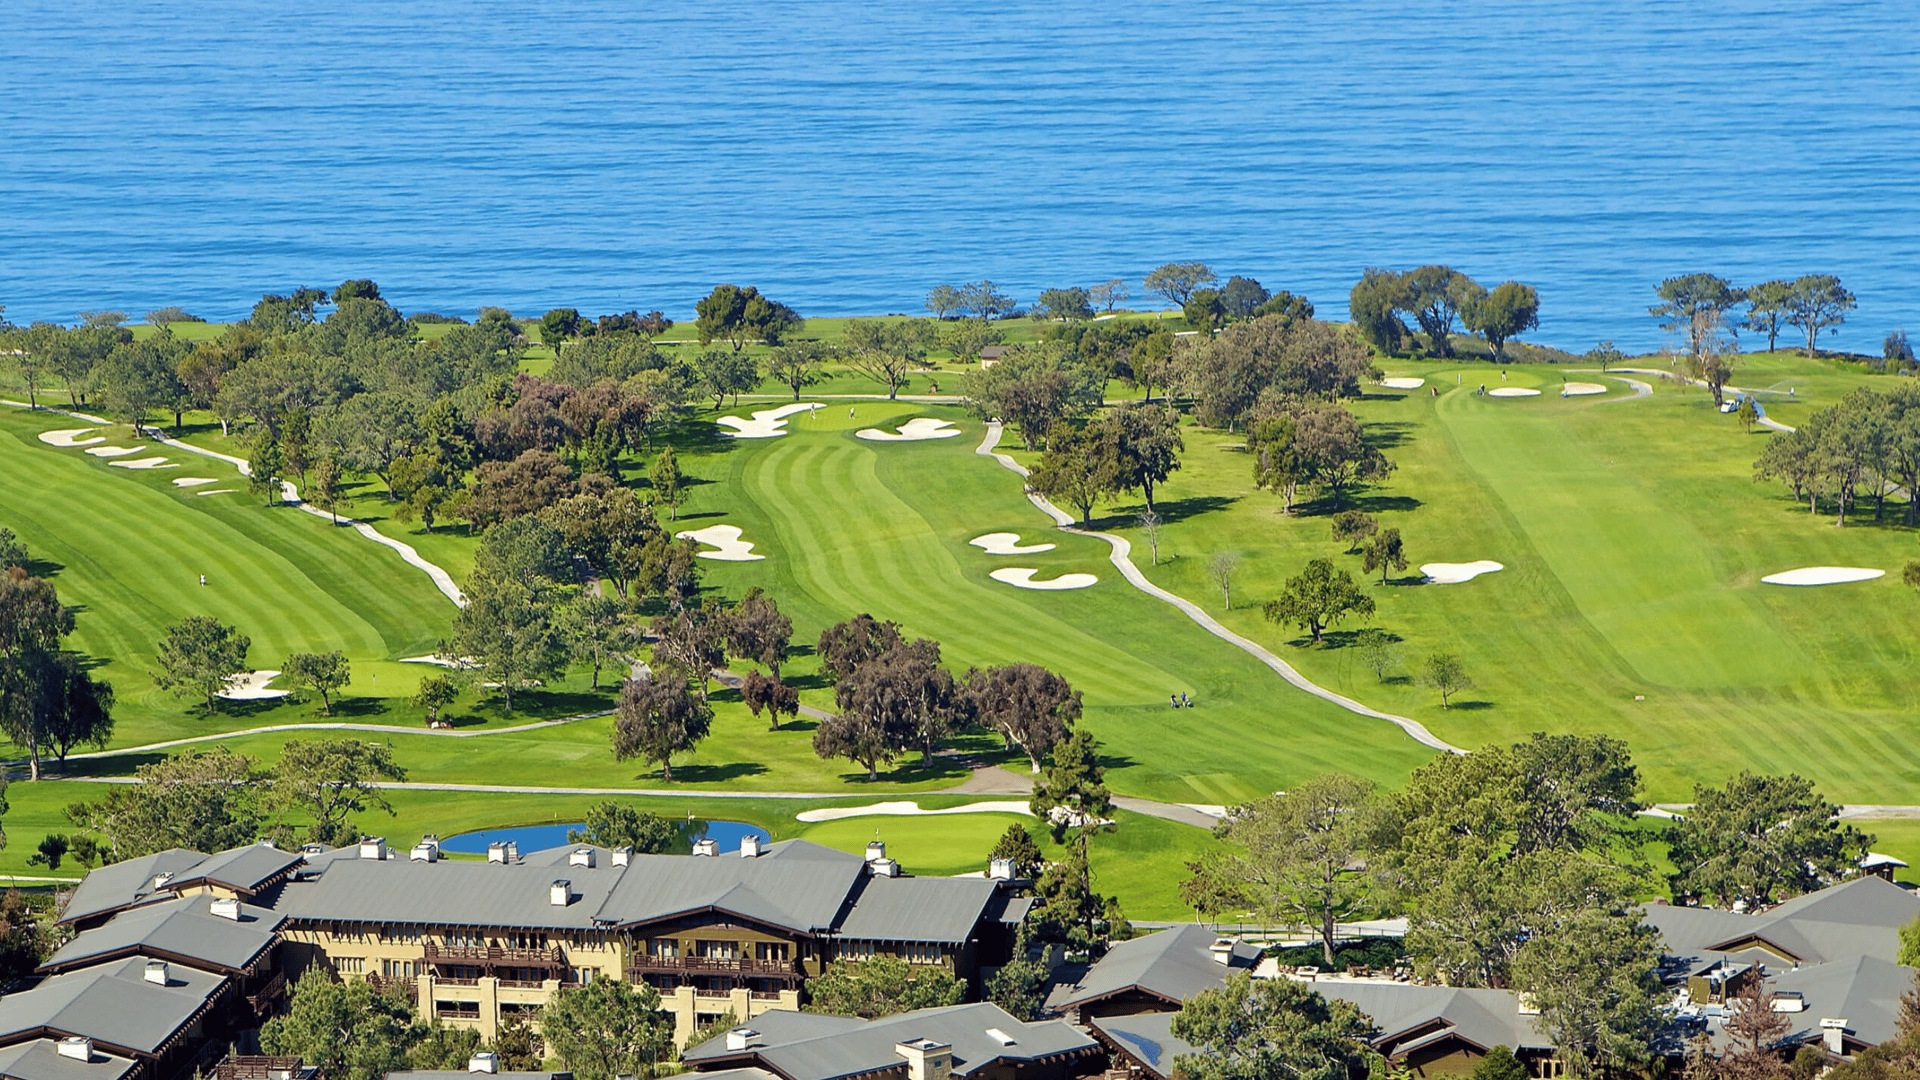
193,481
1453,573
766,423
462,663
69,437
1007,544
1823,575
113,451
1021,577
216,491
1513,391
915,430
1581,389
143,463
251,686
910,809
727,539
1403,382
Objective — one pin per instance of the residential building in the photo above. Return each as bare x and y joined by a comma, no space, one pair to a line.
980,1041
478,942
1154,973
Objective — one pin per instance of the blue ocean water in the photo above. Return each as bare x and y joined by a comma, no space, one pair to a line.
847,156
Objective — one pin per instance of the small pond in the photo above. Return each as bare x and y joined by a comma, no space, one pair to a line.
532,838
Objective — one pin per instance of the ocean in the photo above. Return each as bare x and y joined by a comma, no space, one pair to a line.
847,157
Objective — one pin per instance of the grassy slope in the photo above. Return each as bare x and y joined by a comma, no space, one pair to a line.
1634,541
855,526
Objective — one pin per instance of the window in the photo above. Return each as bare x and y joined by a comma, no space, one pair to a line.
770,950
856,950
663,948
466,939
585,974
920,952
527,941
350,965
400,935
399,969
717,950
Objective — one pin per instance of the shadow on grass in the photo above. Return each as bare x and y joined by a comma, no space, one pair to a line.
1387,435
42,568
1170,511
117,765
1360,500
359,706
692,773
1471,706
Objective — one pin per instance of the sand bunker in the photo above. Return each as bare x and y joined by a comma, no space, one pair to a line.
1403,383
463,663
67,437
1453,573
143,463
1823,575
1021,577
193,481
217,491
1007,544
1581,389
766,423
727,539
1513,391
914,430
251,686
113,451
910,809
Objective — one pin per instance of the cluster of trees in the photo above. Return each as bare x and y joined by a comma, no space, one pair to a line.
1135,447
49,700
894,697
1438,298
1517,867
1869,441
212,800
1697,307
664,711
364,1029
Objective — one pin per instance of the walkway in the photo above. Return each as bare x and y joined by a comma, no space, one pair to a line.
290,494
1121,560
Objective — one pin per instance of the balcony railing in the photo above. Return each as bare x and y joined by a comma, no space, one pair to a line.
522,984
269,995
711,965
495,955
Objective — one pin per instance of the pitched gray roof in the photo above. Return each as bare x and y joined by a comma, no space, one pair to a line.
122,884
918,909
182,928
246,869
787,890
111,1003
462,1074
1861,917
1148,1037
397,890
811,1050
1865,991
1174,964
1399,1011
40,1060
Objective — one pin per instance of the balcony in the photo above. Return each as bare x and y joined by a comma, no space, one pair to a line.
488,955
708,965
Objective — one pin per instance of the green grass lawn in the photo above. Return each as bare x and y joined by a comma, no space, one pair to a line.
1634,539
852,526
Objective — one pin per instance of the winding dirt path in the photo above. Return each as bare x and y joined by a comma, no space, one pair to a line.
1122,561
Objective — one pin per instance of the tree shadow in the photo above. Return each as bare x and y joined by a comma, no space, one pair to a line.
798,725
117,765
700,435
360,706
1471,706
1367,502
1398,680
43,568
1172,510
701,514
1386,434
693,773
